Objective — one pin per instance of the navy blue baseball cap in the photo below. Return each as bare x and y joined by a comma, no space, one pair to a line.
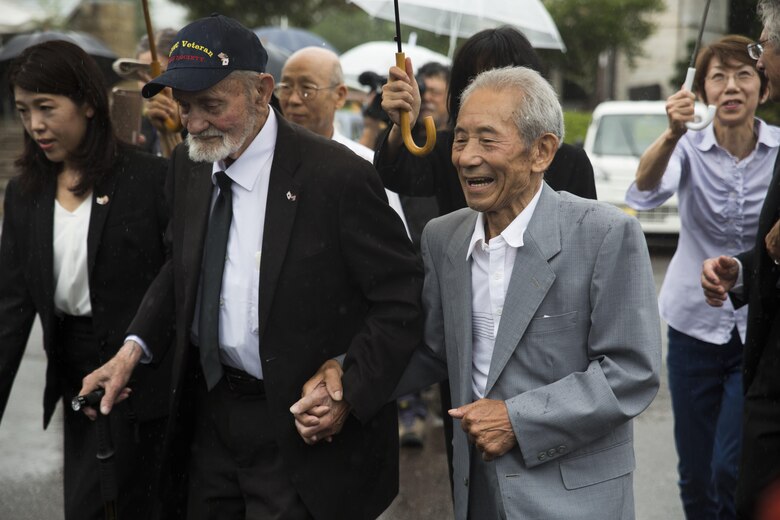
205,52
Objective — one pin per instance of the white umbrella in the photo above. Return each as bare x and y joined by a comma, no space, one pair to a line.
464,18
380,56
17,18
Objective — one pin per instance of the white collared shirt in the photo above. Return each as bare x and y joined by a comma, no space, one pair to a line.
492,264
239,340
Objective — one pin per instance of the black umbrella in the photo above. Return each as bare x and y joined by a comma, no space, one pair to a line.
291,39
276,58
91,45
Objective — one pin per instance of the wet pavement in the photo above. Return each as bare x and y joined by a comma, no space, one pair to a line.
30,458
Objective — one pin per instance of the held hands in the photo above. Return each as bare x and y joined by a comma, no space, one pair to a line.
321,411
112,377
487,424
679,110
718,276
401,94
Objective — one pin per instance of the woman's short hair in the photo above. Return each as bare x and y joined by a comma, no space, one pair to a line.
61,68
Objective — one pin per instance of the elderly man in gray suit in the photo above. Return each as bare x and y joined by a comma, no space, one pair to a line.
541,309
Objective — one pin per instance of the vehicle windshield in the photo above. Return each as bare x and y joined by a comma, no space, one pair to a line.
628,134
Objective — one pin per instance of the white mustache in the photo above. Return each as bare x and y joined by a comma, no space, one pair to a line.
209,132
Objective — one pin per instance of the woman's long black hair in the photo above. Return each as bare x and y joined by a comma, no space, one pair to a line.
62,68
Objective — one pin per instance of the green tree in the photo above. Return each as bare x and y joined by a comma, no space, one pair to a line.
299,13
597,26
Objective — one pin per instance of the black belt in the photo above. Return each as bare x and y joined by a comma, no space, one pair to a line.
241,382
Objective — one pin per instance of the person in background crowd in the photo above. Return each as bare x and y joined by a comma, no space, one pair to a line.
720,175
82,239
157,137
310,91
433,79
751,277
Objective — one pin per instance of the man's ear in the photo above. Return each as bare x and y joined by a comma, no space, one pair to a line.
264,84
341,95
543,151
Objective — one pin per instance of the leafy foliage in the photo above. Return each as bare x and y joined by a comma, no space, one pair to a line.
593,27
299,13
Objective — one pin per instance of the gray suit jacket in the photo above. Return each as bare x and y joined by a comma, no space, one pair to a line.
577,355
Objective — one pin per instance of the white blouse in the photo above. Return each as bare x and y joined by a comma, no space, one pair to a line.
71,283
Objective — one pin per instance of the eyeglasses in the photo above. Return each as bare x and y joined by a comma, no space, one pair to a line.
719,78
756,50
307,91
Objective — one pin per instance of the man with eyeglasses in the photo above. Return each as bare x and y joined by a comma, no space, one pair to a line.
310,92
285,254
752,277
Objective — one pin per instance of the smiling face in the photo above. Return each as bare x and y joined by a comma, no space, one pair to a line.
54,122
734,88
223,120
498,174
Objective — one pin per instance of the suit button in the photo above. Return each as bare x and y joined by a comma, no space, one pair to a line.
542,456
552,452
561,448
466,482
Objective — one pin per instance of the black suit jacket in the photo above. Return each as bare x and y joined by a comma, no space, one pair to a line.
338,275
434,174
125,251
760,276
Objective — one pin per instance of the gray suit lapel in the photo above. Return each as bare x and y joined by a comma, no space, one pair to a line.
531,278
457,295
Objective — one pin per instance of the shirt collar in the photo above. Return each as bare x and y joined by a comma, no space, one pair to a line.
707,138
513,233
245,171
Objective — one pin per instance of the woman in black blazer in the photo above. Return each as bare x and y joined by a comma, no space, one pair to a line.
82,239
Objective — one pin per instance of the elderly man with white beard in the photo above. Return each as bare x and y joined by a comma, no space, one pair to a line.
284,254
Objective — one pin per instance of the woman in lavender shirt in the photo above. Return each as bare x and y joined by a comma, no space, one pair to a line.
721,175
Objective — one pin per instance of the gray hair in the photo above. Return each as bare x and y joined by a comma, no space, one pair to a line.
247,78
538,111
769,11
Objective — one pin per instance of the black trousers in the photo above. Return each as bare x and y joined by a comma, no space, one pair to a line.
236,471
137,445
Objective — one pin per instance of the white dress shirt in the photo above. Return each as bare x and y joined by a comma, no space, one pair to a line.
71,291
368,154
491,270
239,340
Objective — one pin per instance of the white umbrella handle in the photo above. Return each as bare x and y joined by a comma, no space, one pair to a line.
701,122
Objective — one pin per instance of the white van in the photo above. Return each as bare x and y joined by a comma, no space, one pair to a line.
618,135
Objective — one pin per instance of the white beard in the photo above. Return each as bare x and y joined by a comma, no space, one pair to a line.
206,151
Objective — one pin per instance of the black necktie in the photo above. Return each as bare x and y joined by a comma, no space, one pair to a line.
214,257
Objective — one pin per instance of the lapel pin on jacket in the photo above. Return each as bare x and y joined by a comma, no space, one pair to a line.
102,200
291,196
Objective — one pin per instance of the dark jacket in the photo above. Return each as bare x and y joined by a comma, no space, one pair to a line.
125,251
338,275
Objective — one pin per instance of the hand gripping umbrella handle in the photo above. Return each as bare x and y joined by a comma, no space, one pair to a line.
170,124
406,128
702,123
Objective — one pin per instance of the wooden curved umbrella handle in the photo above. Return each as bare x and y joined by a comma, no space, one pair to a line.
406,129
